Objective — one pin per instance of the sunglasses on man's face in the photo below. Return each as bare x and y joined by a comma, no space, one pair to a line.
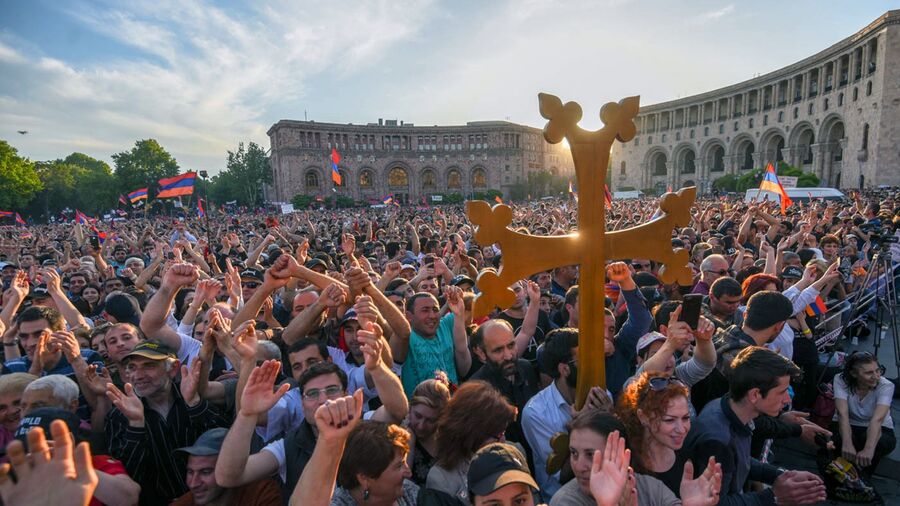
640,266
249,284
723,272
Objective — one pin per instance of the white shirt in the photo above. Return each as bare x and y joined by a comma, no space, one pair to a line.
861,411
544,415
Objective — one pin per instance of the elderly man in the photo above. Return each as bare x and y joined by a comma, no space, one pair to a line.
712,268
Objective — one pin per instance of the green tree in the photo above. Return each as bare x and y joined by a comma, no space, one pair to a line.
97,187
19,181
249,169
143,165
726,183
301,201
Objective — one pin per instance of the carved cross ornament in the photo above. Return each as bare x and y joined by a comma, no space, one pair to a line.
591,246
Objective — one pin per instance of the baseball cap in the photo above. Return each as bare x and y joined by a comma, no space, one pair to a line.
8,264
316,262
124,308
462,278
209,443
791,272
349,315
252,274
39,292
497,465
648,339
151,350
43,417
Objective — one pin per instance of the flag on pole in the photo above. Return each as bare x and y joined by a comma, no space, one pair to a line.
136,195
607,197
335,160
82,218
6,214
770,183
669,189
200,212
572,192
388,200
498,200
122,200
817,307
19,220
177,186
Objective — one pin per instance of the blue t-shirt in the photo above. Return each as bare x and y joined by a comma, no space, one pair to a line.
426,356
23,364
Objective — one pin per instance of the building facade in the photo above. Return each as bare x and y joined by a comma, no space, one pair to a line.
836,113
410,162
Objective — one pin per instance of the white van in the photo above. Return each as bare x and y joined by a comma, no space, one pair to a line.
796,194
634,194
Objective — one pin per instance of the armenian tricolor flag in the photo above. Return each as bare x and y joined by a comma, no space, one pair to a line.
335,160
19,220
177,186
572,192
200,212
6,214
82,218
388,200
817,307
771,183
139,194
607,197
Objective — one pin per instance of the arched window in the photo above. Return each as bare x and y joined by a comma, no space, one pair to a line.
365,179
397,177
428,179
865,139
453,179
479,178
312,179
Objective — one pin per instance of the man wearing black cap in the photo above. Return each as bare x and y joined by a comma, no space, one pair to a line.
114,486
499,476
250,281
201,477
153,417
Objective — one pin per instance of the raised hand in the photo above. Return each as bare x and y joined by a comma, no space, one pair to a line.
357,279
279,273
610,470
705,330
619,273
392,269
366,310
258,396
51,279
97,381
66,342
371,344
337,418
207,290
348,244
533,290
190,379
302,253
703,491
245,341
455,301
679,333
60,479
181,275
333,296
128,403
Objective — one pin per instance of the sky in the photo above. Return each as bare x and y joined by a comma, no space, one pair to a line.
200,76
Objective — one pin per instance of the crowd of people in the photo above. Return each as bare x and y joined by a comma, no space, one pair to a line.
333,357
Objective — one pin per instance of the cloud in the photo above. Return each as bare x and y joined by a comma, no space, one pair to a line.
715,15
204,77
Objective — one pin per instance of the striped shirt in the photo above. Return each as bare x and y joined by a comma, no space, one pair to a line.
148,452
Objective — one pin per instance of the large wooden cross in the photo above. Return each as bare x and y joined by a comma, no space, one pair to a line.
591,246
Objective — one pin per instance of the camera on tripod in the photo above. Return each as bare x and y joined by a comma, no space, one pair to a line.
877,236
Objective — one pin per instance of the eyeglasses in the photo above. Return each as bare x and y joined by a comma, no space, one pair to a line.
659,383
330,393
249,284
723,272
640,266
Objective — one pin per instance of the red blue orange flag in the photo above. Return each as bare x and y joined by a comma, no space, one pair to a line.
335,160
771,183
82,218
19,219
177,186
817,307
607,197
6,214
136,195
200,212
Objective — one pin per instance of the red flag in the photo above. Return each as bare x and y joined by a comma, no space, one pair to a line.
19,219
122,200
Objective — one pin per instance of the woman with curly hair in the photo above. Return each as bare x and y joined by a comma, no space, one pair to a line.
476,415
655,410
428,402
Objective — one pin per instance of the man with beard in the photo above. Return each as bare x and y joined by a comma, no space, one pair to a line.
153,417
527,292
495,344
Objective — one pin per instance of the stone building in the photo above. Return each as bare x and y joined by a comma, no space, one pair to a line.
836,113
410,162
